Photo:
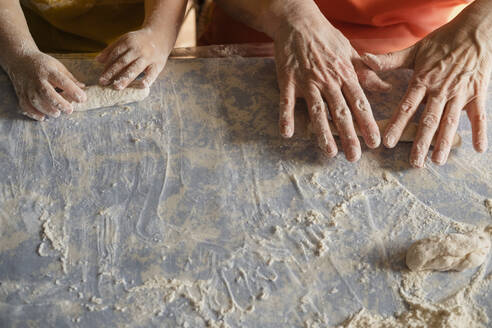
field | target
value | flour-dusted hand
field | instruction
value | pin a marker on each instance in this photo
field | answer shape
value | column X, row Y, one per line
column 452, row 69
column 315, row 61
column 145, row 50
column 136, row 52
column 44, row 86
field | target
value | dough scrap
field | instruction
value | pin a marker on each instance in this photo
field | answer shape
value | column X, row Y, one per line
column 98, row 96
column 455, row 251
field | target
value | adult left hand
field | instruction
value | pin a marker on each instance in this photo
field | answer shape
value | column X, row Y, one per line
column 452, row 68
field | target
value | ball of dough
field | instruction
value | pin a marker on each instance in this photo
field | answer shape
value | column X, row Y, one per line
column 455, row 251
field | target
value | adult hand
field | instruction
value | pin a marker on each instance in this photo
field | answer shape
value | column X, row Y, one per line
column 136, row 52
column 43, row 85
column 452, row 69
column 314, row 60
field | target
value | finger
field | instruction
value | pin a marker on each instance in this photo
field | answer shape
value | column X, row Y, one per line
column 368, row 79
column 151, row 73
column 287, row 104
column 361, row 109
column 102, row 57
column 319, row 121
column 53, row 101
column 129, row 74
column 429, row 122
column 390, row 61
column 73, row 78
column 46, row 100
column 478, row 119
column 28, row 110
column 407, row 107
column 343, row 121
column 447, row 130
column 116, row 66
column 69, row 90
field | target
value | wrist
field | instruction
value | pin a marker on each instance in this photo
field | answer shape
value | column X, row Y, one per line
column 163, row 39
column 13, row 56
column 280, row 13
column 478, row 16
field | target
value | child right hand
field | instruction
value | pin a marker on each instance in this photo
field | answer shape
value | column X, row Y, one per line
column 44, row 86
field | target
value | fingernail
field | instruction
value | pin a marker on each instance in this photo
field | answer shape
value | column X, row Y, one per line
column 118, row 86
column 34, row 116
column 390, row 140
column 353, row 153
column 439, row 157
column 103, row 81
column 481, row 147
column 286, row 131
column 371, row 56
column 331, row 151
column 28, row 115
column 374, row 140
column 81, row 97
column 418, row 161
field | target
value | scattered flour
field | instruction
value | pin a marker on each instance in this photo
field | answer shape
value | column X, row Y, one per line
column 54, row 235
column 488, row 205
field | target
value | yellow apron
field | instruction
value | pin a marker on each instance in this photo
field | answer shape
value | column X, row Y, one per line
column 80, row 25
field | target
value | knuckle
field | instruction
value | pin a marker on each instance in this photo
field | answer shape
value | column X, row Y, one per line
column 361, row 105
column 286, row 102
column 451, row 120
column 341, row 112
column 420, row 146
column 407, row 105
column 481, row 117
column 444, row 143
column 430, row 120
column 317, row 108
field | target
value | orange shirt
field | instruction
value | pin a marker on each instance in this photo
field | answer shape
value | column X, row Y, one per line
column 376, row 26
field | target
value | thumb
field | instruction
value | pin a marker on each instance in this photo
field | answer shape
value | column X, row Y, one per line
column 392, row 60
column 368, row 79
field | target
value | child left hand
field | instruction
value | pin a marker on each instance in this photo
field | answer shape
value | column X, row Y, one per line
column 141, row 51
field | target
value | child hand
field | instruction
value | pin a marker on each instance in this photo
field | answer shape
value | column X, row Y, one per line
column 44, row 86
column 129, row 56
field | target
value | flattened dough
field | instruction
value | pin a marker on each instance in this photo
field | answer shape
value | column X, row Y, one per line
column 455, row 251
column 98, row 97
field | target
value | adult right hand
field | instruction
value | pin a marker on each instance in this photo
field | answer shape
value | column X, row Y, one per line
column 315, row 61
column 43, row 85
